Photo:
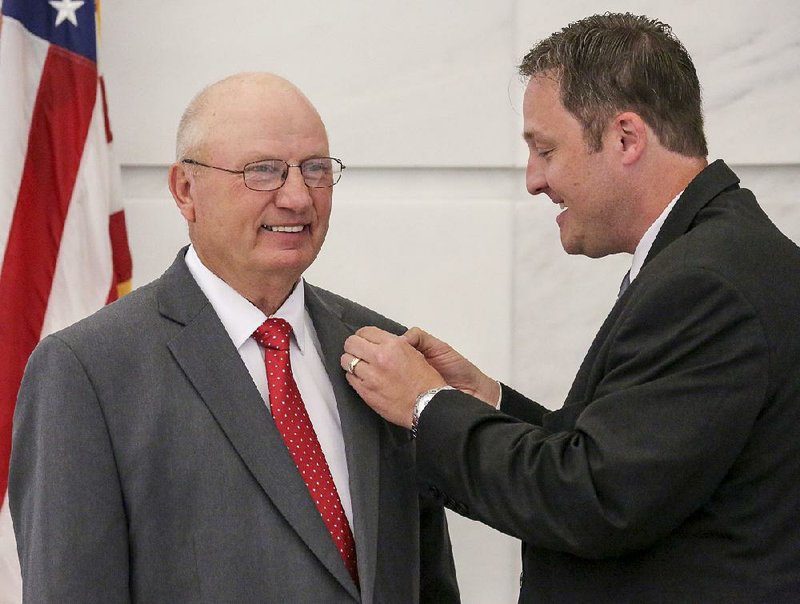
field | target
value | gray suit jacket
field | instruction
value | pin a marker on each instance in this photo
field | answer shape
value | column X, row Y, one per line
column 672, row 472
column 145, row 467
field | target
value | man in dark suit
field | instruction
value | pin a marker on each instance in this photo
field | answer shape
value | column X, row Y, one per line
column 146, row 464
column 672, row 471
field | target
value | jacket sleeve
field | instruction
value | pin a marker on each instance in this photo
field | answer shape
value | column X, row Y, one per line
column 675, row 394
column 438, row 584
column 520, row 407
column 64, row 491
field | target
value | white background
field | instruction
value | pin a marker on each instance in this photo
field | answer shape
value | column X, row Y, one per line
column 431, row 222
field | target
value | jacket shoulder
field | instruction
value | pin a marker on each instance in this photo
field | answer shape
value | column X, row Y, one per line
column 352, row 313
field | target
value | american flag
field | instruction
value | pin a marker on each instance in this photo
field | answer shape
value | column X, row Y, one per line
column 63, row 244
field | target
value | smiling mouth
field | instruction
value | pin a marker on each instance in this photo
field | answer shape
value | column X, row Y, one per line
column 283, row 229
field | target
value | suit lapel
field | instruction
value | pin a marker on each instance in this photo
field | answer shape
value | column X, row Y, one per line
column 207, row 356
column 360, row 430
column 712, row 181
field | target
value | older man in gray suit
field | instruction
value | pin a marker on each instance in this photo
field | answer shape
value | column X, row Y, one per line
column 147, row 465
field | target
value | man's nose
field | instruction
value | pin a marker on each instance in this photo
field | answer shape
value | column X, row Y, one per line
column 535, row 181
column 294, row 193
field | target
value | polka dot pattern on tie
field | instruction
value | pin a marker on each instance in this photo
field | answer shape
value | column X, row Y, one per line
column 291, row 419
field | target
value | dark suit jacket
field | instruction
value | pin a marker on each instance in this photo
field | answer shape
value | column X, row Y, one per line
column 672, row 472
column 145, row 467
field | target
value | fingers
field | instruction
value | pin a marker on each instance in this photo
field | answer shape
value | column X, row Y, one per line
column 372, row 346
column 351, row 364
column 376, row 347
column 367, row 341
column 362, row 347
column 357, row 346
column 363, row 344
column 414, row 336
column 374, row 334
column 423, row 341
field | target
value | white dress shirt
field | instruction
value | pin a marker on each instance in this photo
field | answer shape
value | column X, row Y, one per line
column 646, row 242
column 240, row 319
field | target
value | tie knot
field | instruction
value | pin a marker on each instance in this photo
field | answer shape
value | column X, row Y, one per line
column 274, row 333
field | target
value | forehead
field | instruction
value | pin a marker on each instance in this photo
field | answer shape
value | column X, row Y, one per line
column 252, row 114
column 543, row 112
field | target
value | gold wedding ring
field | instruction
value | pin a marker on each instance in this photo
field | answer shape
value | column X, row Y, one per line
column 351, row 369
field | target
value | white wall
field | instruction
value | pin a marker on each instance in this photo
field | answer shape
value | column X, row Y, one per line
column 431, row 223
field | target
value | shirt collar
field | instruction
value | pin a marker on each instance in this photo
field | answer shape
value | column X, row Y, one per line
column 238, row 315
column 646, row 242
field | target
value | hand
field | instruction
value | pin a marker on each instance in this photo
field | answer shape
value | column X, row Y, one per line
column 390, row 375
column 456, row 370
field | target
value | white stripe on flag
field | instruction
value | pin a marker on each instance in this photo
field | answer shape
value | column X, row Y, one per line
column 23, row 56
column 10, row 579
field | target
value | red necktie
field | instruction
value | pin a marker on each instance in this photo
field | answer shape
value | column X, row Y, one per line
column 292, row 421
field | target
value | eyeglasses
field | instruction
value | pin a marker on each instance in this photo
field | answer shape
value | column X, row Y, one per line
column 271, row 174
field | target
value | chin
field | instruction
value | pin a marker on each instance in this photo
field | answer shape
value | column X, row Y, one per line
column 294, row 261
column 570, row 247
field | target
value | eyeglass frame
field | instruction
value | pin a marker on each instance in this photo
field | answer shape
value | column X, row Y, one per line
column 194, row 162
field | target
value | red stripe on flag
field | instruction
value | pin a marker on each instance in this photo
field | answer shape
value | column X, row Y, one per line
column 61, row 116
column 109, row 135
column 122, row 265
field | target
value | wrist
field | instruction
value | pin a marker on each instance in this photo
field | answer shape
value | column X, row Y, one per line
column 487, row 390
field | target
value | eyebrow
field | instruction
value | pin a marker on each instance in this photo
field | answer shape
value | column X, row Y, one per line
column 537, row 137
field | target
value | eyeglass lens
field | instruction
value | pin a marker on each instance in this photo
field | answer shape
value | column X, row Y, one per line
column 269, row 174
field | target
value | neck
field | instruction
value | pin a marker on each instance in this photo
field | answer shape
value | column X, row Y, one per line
column 660, row 185
column 271, row 300
column 679, row 173
column 266, row 291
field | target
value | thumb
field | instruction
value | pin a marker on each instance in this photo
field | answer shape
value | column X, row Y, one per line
column 415, row 336
column 424, row 342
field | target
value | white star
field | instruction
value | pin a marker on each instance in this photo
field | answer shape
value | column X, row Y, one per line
column 66, row 10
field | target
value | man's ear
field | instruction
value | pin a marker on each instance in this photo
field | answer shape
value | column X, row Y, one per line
column 630, row 136
column 180, row 185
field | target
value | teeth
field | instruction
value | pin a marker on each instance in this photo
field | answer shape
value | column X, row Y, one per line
column 562, row 206
column 283, row 229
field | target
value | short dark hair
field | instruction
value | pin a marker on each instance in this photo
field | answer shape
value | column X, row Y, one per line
column 622, row 62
